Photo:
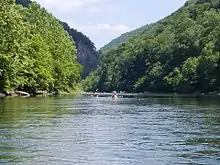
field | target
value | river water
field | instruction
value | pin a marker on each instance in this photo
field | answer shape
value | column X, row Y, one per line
column 103, row 131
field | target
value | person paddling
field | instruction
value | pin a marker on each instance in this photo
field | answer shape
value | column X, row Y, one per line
column 95, row 94
column 114, row 94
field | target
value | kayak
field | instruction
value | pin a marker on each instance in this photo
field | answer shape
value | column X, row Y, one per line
column 114, row 96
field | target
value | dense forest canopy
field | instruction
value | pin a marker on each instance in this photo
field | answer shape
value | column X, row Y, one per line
column 180, row 53
column 86, row 51
column 36, row 53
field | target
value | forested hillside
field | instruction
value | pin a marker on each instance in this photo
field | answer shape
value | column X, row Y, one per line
column 86, row 50
column 36, row 53
column 122, row 39
column 180, row 53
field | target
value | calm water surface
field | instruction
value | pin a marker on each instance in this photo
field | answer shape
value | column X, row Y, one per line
column 103, row 131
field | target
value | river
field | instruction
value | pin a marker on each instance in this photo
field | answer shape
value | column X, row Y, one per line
column 104, row 131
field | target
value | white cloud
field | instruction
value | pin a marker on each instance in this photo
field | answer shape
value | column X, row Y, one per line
column 106, row 27
column 69, row 5
column 79, row 13
column 103, row 33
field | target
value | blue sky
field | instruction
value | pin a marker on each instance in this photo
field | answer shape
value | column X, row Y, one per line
column 104, row 20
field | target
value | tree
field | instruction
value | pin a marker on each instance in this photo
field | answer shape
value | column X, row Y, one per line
column 35, row 51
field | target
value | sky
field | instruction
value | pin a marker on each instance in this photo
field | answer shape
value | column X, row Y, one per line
column 104, row 20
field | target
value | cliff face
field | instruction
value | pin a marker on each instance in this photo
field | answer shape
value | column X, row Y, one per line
column 86, row 51
column 87, row 57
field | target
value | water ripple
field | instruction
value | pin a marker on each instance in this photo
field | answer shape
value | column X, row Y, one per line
column 97, row 131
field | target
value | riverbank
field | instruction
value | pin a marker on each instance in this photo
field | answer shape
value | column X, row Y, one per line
column 25, row 94
column 38, row 93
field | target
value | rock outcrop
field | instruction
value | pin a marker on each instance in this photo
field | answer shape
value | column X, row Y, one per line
column 86, row 51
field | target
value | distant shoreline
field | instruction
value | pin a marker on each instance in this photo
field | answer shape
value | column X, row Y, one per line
column 121, row 95
column 106, row 94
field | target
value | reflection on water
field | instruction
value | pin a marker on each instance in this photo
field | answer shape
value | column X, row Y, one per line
column 99, row 131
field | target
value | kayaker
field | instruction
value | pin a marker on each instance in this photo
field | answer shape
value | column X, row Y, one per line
column 114, row 94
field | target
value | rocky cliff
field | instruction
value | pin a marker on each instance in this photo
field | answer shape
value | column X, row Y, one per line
column 86, row 51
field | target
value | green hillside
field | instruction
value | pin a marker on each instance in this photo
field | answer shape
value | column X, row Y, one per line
column 180, row 53
column 122, row 39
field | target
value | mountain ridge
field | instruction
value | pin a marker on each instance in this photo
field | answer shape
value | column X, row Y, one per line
column 113, row 44
column 179, row 53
